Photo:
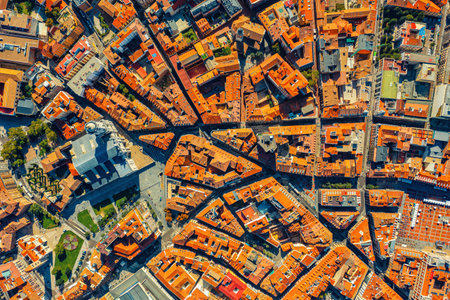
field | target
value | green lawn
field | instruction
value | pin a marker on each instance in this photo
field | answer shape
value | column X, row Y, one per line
column 123, row 197
column 101, row 208
column 106, row 210
column 48, row 223
column 85, row 218
column 189, row 35
column 44, row 217
column 71, row 255
column 222, row 51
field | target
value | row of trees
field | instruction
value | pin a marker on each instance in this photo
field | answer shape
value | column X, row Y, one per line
column 124, row 91
column 41, row 213
column 337, row 185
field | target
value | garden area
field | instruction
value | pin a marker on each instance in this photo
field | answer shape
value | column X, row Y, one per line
column 189, row 35
column 105, row 210
column 85, row 218
column 104, row 28
column 66, row 254
column 46, row 220
column 393, row 17
column 39, row 181
column 222, row 52
column 18, row 140
column 24, row 7
column 312, row 76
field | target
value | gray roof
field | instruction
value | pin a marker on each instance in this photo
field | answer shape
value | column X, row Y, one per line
column 26, row 107
column 436, row 152
column 364, row 42
column 381, row 154
column 232, row 6
column 205, row 7
column 442, row 136
column 330, row 62
column 99, row 155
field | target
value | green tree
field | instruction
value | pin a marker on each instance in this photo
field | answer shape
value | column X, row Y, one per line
column 17, row 134
column 409, row 17
column 37, row 129
column 59, row 281
column 420, row 16
column 60, row 252
column 55, row 13
column 44, row 146
column 19, row 7
column 11, row 150
column 276, row 48
column 49, row 22
column 18, row 162
column 27, row 91
column 68, row 272
column 52, row 137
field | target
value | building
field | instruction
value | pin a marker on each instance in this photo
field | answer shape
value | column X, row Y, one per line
column 385, row 198
column 223, row 107
column 158, row 140
column 247, row 261
column 404, row 267
column 139, row 285
column 45, row 85
column 63, row 35
column 410, row 36
column 274, row 215
column 385, row 230
column 102, row 155
column 377, row 288
column 359, row 236
column 340, row 219
column 441, row 102
column 132, row 115
column 340, row 198
column 10, row 82
column 133, row 234
column 122, row 12
column 242, row 139
column 84, row 5
column 17, row 284
column 13, row 206
column 342, row 148
column 21, row 40
column 190, row 276
column 34, row 251
column 77, row 57
column 340, row 268
column 217, row 215
column 70, row 118
column 184, row 197
column 195, row 159
column 290, row 82
column 426, row 165
column 86, row 76
column 295, row 262
column 432, row 277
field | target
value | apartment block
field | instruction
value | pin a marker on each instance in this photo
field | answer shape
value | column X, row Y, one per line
column 195, row 159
